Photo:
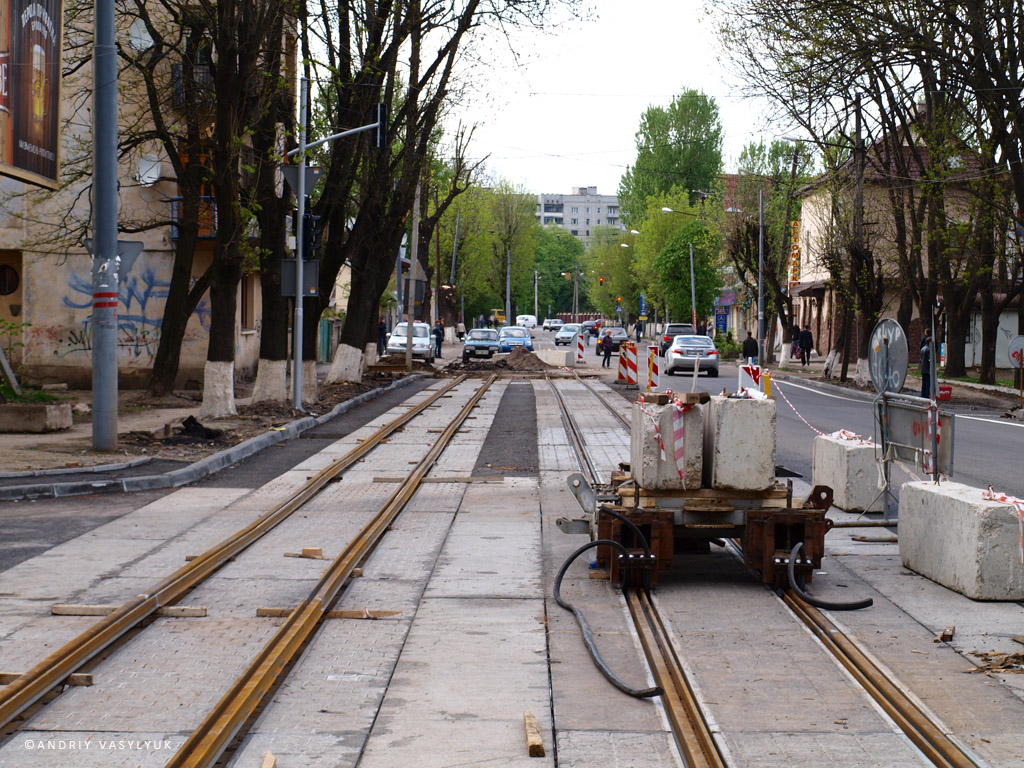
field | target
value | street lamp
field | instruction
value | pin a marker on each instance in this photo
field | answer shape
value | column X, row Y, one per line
column 693, row 286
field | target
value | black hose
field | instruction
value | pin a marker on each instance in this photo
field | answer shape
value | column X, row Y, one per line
column 630, row 524
column 588, row 639
column 797, row 587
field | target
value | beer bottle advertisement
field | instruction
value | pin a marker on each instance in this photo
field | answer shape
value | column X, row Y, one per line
column 5, row 82
column 34, row 87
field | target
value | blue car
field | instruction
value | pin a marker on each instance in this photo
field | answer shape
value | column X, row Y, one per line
column 481, row 342
column 513, row 336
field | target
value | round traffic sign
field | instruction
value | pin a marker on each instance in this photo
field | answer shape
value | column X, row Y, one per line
column 1016, row 351
column 888, row 356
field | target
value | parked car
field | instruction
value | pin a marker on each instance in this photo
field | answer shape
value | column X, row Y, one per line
column 619, row 335
column 552, row 324
column 593, row 327
column 514, row 336
column 566, row 332
column 671, row 331
column 687, row 351
column 481, row 342
column 422, row 341
column 526, row 321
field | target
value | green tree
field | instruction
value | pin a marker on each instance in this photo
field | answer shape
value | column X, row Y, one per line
column 678, row 147
column 673, row 267
column 558, row 253
column 611, row 275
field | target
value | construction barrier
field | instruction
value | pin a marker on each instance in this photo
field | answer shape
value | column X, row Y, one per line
column 579, row 349
column 627, row 363
column 653, row 368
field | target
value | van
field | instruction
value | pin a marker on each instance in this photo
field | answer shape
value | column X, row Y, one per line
column 526, row 321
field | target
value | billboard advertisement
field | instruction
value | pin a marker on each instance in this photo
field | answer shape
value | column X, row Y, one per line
column 30, row 56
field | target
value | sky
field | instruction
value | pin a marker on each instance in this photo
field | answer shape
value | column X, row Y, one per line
column 565, row 114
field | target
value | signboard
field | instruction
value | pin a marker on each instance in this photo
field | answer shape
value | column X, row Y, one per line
column 1016, row 351
column 908, row 428
column 30, row 67
column 721, row 319
column 643, row 307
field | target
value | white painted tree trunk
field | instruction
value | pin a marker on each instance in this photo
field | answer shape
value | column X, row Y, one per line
column 347, row 365
column 862, row 377
column 369, row 355
column 830, row 363
column 218, row 391
column 309, row 391
column 271, row 381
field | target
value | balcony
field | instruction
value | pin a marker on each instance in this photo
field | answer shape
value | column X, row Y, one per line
column 207, row 216
column 202, row 81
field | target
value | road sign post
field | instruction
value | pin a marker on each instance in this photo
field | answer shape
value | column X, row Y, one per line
column 1016, row 353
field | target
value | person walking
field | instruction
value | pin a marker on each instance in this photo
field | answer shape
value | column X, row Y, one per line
column 460, row 330
column 606, row 346
column 806, row 345
column 749, row 348
column 382, row 336
column 638, row 329
column 438, row 337
column 926, row 365
column 794, row 350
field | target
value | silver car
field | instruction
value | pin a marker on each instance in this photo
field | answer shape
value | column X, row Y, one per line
column 422, row 341
column 685, row 352
column 566, row 332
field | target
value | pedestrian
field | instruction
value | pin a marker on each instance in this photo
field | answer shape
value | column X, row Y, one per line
column 638, row 329
column 606, row 346
column 382, row 336
column 749, row 348
column 460, row 330
column 438, row 337
column 926, row 365
column 794, row 351
column 806, row 345
column 490, row 321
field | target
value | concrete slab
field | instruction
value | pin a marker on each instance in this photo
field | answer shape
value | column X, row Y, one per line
column 59, row 749
column 848, row 468
column 739, row 444
column 952, row 535
column 656, row 430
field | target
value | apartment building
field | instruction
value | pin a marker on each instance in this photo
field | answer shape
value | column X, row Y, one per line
column 580, row 212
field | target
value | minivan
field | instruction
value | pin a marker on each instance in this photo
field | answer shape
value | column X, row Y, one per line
column 526, row 321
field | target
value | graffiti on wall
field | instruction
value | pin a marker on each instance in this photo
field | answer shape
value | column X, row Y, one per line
column 142, row 294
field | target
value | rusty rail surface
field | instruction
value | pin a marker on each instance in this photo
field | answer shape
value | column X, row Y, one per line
column 206, row 744
column 48, row 673
column 919, row 727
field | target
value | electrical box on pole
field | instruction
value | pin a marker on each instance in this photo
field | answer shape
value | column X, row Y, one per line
column 380, row 134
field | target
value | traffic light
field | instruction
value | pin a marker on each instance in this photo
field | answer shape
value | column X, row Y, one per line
column 618, row 299
column 600, row 280
column 311, row 233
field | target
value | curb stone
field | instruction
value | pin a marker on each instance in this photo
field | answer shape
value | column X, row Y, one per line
column 200, row 469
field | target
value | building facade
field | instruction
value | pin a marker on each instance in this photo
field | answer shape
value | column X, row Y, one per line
column 580, row 212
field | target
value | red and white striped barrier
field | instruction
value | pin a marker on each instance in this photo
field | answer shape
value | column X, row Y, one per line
column 653, row 368
column 627, row 363
column 579, row 349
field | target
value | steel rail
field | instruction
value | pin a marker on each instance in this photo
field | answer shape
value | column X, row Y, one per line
column 205, row 746
column 622, row 419
column 27, row 689
column 572, row 429
column 684, row 712
column 918, row 726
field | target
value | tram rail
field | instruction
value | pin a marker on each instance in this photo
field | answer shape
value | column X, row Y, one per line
column 45, row 676
column 683, row 709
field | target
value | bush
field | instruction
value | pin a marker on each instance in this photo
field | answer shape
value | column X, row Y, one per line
column 728, row 347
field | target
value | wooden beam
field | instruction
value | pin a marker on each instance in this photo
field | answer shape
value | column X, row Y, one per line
column 534, row 743
column 75, row 678
column 269, row 761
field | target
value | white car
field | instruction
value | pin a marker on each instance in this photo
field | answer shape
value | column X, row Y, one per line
column 422, row 341
column 566, row 333
column 552, row 324
column 526, row 321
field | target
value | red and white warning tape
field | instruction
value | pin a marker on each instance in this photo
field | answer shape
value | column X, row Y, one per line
column 1017, row 504
column 805, row 421
column 678, row 436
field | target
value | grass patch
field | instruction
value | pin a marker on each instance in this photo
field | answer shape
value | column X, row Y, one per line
column 976, row 380
column 27, row 395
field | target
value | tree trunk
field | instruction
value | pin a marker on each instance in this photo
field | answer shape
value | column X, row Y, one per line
column 989, row 331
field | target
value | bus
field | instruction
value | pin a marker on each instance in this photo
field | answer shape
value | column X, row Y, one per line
column 499, row 316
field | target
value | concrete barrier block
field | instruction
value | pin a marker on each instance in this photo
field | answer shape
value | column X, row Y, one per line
column 739, row 444
column 556, row 357
column 951, row 535
column 34, row 417
column 849, row 469
column 649, row 469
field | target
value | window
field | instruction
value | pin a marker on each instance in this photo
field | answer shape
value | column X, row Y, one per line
column 574, row 221
column 588, row 209
column 598, row 222
column 8, row 280
column 598, row 209
column 576, row 232
column 588, row 222
column 248, row 302
column 575, row 210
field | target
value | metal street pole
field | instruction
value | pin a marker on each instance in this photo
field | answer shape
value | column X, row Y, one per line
column 508, row 286
column 105, row 259
column 414, row 262
column 693, row 286
column 535, row 278
column 300, row 193
column 760, row 288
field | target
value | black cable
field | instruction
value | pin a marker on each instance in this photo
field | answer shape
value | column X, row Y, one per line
column 588, row 639
column 630, row 524
column 796, row 586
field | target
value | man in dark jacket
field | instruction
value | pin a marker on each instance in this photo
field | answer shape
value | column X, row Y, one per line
column 438, row 336
column 606, row 346
column 749, row 348
column 806, row 345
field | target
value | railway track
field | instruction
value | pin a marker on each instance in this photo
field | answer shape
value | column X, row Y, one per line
column 42, row 679
column 693, row 734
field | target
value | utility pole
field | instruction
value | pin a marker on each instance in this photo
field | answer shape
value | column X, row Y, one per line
column 508, row 286
column 858, row 228
column 410, row 301
column 693, row 288
column 760, row 277
column 535, row 279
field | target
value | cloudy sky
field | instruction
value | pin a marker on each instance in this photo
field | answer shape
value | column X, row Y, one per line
column 565, row 113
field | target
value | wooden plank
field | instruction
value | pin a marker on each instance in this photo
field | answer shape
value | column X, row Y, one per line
column 308, row 553
column 75, row 678
column 534, row 743
column 269, row 761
